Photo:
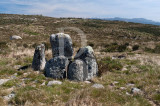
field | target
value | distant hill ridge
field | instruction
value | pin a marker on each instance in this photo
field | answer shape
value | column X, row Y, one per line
column 135, row 20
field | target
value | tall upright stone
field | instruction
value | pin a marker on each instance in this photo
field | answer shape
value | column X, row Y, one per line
column 56, row 68
column 86, row 54
column 39, row 58
column 77, row 71
column 61, row 45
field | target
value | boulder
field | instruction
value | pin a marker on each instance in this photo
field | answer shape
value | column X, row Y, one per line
column 39, row 58
column 15, row 37
column 56, row 68
column 77, row 71
column 86, row 54
column 61, row 45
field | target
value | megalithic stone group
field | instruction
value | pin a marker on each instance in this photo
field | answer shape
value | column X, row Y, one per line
column 83, row 67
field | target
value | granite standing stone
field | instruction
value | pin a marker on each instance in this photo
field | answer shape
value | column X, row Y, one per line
column 56, row 68
column 61, row 45
column 39, row 58
column 87, row 55
column 77, row 71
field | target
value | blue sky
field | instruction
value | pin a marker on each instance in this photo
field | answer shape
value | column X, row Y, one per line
column 149, row 9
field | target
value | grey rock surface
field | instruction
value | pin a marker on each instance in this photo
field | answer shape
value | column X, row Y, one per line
column 61, row 45
column 2, row 81
column 50, row 83
column 10, row 96
column 56, row 68
column 136, row 91
column 98, row 86
column 86, row 54
column 77, row 71
column 15, row 37
column 39, row 58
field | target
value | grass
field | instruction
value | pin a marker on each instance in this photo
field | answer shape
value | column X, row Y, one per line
column 31, row 32
column 108, row 64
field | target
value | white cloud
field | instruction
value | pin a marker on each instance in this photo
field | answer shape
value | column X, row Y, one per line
column 89, row 8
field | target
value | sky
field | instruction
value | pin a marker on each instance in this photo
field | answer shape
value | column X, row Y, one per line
column 149, row 9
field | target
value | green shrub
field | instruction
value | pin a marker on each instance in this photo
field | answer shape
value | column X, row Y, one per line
column 47, row 45
column 25, row 45
column 114, row 47
column 3, row 45
column 108, row 64
column 135, row 47
column 157, row 49
column 122, row 48
column 91, row 44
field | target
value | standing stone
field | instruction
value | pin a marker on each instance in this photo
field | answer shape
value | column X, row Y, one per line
column 39, row 58
column 61, row 45
column 56, row 68
column 87, row 55
column 77, row 71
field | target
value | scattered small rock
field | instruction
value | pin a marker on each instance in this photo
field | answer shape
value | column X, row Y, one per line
column 130, row 85
column 15, row 37
column 87, row 82
column 122, row 88
column 17, row 67
column 10, row 96
column 115, row 82
column 98, row 86
column 2, row 81
column 44, row 83
column 128, row 93
column 124, row 69
column 26, row 74
column 136, row 91
column 50, row 83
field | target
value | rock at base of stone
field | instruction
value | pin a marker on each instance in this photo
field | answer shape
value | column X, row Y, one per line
column 77, row 71
column 87, row 55
column 61, row 45
column 56, row 68
column 39, row 58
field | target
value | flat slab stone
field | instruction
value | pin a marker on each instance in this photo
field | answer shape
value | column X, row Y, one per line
column 50, row 83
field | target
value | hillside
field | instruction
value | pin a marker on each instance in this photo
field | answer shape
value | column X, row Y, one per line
column 135, row 20
column 127, row 55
